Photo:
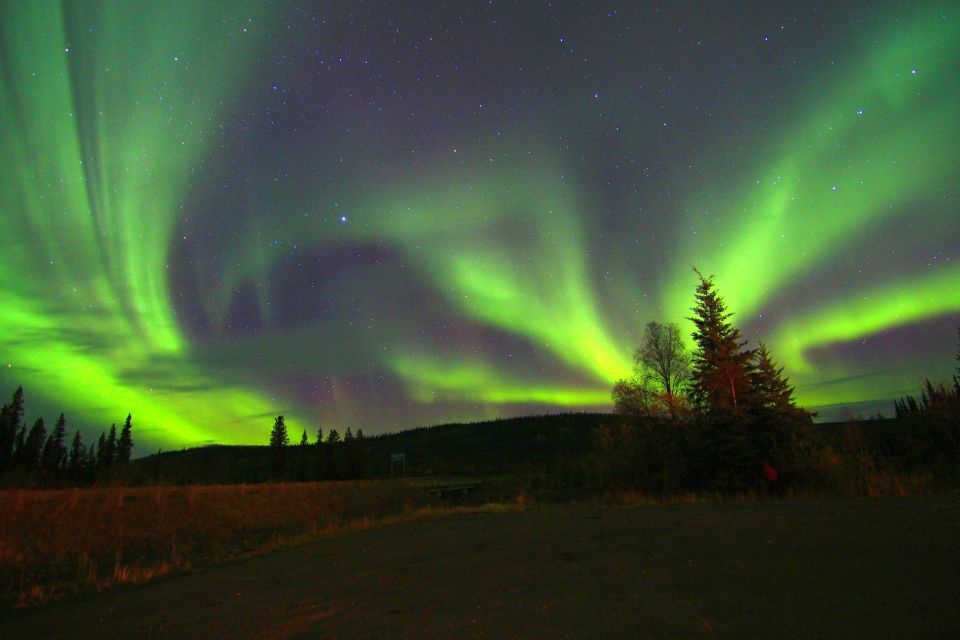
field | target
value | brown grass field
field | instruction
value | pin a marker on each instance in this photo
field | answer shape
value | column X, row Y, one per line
column 56, row 542
column 801, row 568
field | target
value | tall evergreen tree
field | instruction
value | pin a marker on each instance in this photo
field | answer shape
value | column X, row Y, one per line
column 33, row 446
column 331, row 456
column 54, row 451
column 777, row 426
column 76, row 459
column 101, row 457
column 10, row 418
column 771, row 390
column 721, row 365
column 110, row 446
column 90, row 462
column 278, row 436
column 125, row 443
column 19, row 446
column 304, row 458
column 354, row 446
column 278, row 445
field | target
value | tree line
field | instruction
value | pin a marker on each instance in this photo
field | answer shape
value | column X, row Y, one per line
column 326, row 458
column 33, row 457
column 722, row 416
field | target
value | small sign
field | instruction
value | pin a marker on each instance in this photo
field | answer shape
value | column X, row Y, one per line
column 398, row 459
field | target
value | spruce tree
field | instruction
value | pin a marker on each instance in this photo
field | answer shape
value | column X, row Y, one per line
column 33, row 445
column 90, row 463
column 304, row 458
column 110, row 447
column 278, row 436
column 19, row 446
column 331, row 452
column 771, row 390
column 125, row 443
column 319, row 457
column 101, row 457
column 278, row 444
column 75, row 459
column 54, row 451
column 721, row 365
column 10, row 418
column 777, row 422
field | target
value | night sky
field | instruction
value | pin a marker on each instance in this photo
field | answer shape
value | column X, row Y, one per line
column 379, row 215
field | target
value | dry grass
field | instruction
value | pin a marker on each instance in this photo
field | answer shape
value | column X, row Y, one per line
column 57, row 542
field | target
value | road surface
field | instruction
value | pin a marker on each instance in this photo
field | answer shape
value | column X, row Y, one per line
column 883, row 568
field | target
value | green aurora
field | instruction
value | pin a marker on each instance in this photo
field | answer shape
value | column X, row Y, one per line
column 487, row 294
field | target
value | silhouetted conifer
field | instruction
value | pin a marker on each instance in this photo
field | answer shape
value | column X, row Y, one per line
column 330, row 456
column 125, row 443
column 90, row 460
column 76, row 459
column 304, row 457
column 721, row 365
column 33, row 446
column 10, row 417
column 19, row 445
column 278, row 445
column 779, row 428
column 110, row 446
column 771, row 389
column 278, row 436
column 54, row 451
column 349, row 454
column 101, row 458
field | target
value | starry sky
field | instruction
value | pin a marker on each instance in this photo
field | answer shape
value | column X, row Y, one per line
column 381, row 215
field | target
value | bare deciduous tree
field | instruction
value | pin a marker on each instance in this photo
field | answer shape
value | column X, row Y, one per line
column 661, row 372
column 662, row 361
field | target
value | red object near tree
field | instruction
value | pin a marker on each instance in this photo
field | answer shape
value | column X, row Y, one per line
column 770, row 472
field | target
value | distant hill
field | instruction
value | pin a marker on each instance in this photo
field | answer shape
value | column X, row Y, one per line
column 491, row 447
column 534, row 444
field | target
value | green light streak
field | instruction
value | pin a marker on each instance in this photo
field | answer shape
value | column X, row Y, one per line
column 431, row 381
column 537, row 286
column 102, row 124
column 892, row 305
column 836, row 171
column 108, row 109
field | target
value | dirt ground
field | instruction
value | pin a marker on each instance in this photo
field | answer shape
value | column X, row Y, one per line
column 882, row 568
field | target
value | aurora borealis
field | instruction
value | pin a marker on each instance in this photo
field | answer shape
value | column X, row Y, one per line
column 380, row 216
